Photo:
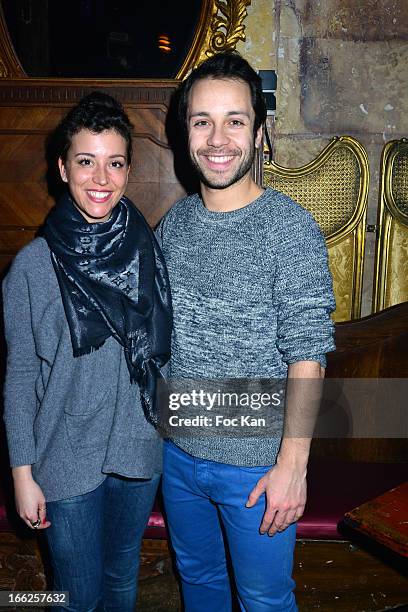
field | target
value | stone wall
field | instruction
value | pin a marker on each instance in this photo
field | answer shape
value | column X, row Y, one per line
column 342, row 69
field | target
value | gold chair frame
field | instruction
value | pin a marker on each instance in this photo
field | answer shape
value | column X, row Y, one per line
column 354, row 228
column 391, row 256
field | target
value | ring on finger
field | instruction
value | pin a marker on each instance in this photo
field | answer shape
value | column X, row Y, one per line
column 35, row 524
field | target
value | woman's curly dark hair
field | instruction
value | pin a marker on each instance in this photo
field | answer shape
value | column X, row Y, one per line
column 96, row 112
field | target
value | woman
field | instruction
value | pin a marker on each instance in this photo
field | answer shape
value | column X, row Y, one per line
column 88, row 324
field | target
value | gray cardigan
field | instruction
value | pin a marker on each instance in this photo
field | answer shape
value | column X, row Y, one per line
column 73, row 419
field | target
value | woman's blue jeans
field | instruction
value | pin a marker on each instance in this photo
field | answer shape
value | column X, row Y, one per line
column 201, row 495
column 94, row 542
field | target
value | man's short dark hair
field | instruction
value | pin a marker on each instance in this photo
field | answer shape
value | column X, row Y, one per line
column 225, row 65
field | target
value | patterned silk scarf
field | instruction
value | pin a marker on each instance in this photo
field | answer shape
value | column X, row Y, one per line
column 114, row 282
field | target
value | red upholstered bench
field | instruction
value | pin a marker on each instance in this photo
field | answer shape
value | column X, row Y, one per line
column 4, row 525
column 334, row 487
column 156, row 527
column 8, row 516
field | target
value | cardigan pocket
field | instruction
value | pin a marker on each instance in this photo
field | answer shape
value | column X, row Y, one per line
column 89, row 429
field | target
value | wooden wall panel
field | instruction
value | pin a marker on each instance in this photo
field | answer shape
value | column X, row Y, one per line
column 11, row 241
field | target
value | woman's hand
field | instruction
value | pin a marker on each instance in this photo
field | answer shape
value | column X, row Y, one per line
column 30, row 500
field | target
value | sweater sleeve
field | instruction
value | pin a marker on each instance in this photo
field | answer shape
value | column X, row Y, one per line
column 303, row 293
column 23, row 368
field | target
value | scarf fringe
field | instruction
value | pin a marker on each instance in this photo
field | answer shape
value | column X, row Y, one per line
column 87, row 350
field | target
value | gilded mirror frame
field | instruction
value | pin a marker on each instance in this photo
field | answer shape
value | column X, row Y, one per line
column 220, row 27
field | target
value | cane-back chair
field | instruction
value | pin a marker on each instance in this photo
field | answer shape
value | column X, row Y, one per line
column 334, row 187
column 391, row 261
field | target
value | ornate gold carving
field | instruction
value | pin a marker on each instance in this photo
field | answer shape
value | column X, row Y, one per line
column 341, row 262
column 396, row 290
column 226, row 26
column 220, row 28
column 334, row 188
column 391, row 259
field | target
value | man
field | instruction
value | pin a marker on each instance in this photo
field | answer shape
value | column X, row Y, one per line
column 252, row 297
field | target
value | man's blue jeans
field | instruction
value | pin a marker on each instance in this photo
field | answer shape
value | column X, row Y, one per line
column 199, row 495
column 95, row 540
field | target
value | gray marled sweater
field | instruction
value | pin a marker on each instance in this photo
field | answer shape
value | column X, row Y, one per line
column 73, row 419
column 252, row 293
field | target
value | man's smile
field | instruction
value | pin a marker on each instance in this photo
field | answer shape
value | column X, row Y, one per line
column 218, row 161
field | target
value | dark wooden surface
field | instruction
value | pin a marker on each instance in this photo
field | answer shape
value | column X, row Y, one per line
column 372, row 347
column 384, row 519
column 330, row 577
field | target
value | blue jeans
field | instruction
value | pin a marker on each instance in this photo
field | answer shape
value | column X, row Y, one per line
column 199, row 495
column 94, row 542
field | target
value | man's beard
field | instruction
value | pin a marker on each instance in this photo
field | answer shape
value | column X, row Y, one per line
column 215, row 181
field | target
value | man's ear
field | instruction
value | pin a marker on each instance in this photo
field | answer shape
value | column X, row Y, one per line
column 258, row 137
column 62, row 170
